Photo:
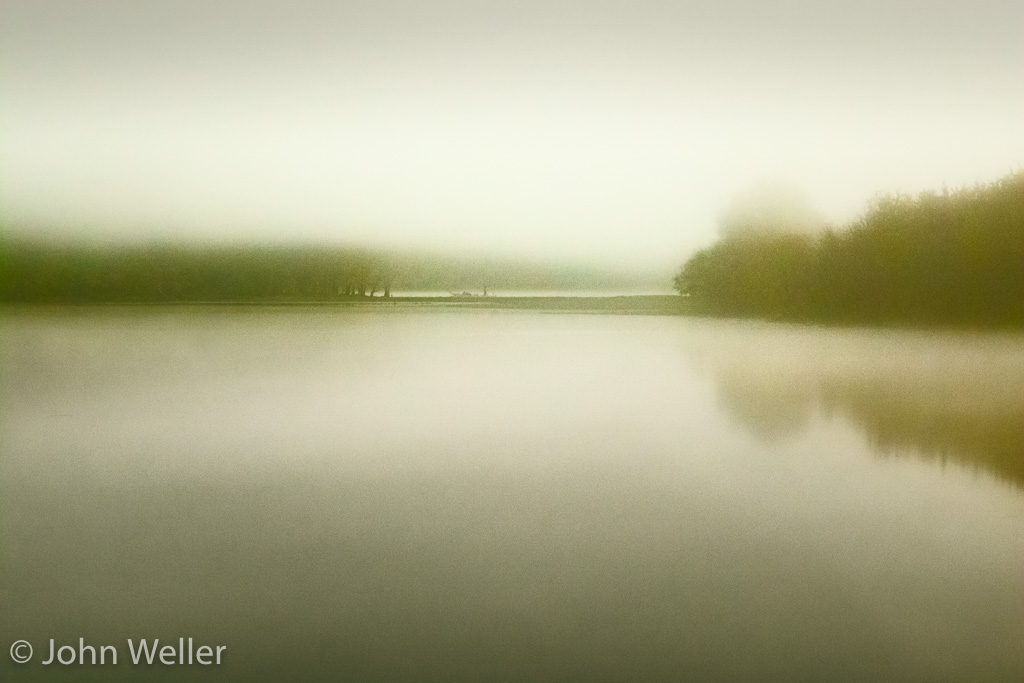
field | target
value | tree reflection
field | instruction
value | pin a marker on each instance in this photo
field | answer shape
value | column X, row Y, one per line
column 941, row 397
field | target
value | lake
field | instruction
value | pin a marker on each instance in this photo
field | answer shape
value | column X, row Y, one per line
column 473, row 495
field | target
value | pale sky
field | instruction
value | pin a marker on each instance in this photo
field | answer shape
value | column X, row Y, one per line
column 600, row 130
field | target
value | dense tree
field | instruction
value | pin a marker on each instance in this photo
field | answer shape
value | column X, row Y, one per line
column 955, row 257
column 32, row 271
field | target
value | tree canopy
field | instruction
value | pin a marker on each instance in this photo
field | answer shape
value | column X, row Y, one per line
column 950, row 257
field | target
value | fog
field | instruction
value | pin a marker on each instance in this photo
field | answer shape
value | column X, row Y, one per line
column 769, row 208
column 601, row 130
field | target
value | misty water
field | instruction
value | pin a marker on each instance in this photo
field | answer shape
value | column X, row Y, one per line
column 411, row 494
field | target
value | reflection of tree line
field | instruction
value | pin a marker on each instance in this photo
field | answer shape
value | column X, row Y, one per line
column 950, row 258
column 33, row 271
column 989, row 437
column 961, row 404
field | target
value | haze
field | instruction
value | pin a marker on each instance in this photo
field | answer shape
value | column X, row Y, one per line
column 597, row 130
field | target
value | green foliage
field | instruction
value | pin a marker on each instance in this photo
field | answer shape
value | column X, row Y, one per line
column 32, row 271
column 950, row 258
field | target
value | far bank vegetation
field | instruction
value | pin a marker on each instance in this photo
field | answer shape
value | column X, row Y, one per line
column 954, row 257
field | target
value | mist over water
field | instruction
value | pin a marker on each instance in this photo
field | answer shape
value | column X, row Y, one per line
column 505, row 495
column 224, row 415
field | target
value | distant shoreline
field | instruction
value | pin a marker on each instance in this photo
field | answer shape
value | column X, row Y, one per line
column 640, row 304
column 625, row 304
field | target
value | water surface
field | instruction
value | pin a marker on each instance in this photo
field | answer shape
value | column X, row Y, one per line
column 504, row 495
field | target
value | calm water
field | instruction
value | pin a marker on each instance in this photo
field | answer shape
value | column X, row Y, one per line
column 497, row 495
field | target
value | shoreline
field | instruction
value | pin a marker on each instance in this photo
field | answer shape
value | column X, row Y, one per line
column 625, row 304
column 645, row 304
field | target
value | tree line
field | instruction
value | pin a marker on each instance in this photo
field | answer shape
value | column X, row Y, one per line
column 950, row 257
column 38, row 271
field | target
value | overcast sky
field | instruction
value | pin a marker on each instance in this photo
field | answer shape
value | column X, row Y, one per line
column 596, row 129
